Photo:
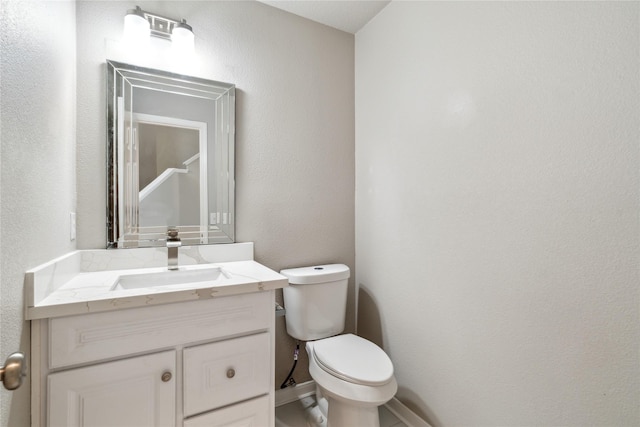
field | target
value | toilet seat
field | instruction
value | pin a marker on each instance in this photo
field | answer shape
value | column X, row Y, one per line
column 353, row 359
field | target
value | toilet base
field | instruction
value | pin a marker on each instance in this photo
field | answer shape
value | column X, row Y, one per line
column 329, row 412
column 342, row 414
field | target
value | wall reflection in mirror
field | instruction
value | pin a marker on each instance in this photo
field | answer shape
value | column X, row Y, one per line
column 170, row 157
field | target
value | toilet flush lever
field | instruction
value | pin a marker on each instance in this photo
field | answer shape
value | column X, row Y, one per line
column 13, row 371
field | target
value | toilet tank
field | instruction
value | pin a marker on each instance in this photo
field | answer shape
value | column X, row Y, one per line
column 316, row 301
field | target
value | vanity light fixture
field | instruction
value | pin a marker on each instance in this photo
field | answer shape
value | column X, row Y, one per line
column 139, row 25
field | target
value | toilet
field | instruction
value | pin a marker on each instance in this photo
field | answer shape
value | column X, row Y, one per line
column 354, row 375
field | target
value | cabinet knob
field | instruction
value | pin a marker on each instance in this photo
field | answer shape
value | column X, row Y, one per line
column 231, row 373
column 166, row 377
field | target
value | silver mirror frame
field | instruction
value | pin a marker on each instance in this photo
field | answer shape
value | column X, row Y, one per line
column 124, row 232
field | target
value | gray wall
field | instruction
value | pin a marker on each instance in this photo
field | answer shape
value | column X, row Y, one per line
column 497, row 208
column 294, row 129
column 37, row 162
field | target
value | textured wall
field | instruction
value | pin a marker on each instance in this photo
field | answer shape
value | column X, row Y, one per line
column 294, row 129
column 497, row 176
column 37, row 162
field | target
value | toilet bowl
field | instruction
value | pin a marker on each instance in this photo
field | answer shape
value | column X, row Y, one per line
column 353, row 374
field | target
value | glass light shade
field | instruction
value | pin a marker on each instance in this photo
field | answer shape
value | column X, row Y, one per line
column 183, row 38
column 136, row 28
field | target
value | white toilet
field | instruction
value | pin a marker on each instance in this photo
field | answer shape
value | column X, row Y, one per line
column 353, row 374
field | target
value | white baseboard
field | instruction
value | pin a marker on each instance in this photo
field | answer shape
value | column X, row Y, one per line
column 405, row 414
column 293, row 393
column 300, row 391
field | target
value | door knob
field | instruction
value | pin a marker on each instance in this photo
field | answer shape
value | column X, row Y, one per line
column 13, row 371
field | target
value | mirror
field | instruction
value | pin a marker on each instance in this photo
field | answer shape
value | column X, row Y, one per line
column 170, row 154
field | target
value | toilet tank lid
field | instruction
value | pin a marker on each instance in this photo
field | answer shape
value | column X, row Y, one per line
column 316, row 274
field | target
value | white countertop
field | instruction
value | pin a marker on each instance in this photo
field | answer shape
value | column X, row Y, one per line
column 63, row 287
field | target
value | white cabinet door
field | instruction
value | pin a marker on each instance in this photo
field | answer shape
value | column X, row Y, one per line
column 130, row 392
column 254, row 413
column 226, row 372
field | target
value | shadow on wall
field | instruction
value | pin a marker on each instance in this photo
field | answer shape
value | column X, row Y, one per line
column 369, row 323
column 370, row 327
column 417, row 406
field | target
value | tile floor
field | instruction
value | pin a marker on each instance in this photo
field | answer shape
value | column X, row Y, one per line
column 295, row 414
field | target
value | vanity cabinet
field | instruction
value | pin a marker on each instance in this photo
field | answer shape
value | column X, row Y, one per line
column 202, row 363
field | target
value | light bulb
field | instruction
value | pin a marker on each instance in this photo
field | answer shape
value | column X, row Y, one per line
column 137, row 29
column 182, row 37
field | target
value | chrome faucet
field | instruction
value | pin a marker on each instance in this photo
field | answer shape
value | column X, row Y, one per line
column 173, row 243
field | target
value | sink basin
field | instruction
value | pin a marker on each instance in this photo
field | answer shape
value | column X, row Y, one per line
column 168, row 277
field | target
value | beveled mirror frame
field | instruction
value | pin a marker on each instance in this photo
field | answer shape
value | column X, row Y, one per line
column 124, row 84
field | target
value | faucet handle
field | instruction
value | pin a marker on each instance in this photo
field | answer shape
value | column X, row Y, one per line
column 172, row 234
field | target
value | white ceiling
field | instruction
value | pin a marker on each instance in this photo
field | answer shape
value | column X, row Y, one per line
column 345, row 15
